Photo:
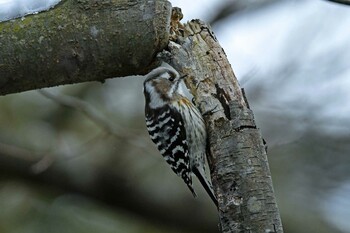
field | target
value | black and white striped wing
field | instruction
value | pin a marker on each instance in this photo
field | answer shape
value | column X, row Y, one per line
column 166, row 129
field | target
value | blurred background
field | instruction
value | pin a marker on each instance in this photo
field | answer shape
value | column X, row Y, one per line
column 78, row 158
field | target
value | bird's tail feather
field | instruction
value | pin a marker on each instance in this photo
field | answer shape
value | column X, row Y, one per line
column 192, row 190
column 206, row 184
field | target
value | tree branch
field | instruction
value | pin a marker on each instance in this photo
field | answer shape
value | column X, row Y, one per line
column 109, row 187
column 344, row 2
column 92, row 113
column 81, row 41
column 230, row 8
column 238, row 161
column 119, row 132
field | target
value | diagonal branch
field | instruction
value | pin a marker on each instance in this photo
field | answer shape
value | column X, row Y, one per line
column 239, row 168
column 344, row 2
column 95, row 116
column 112, row 188
column 87, row 110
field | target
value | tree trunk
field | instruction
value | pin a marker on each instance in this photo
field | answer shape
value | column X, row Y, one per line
column 81, row 41
column 237, row 155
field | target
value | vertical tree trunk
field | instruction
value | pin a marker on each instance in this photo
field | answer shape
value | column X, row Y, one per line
column 237, row 155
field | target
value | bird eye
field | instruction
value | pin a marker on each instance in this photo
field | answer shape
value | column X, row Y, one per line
column 172, row 78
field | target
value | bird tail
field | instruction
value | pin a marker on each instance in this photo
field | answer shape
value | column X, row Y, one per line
column 206, row 184
column 192, row 190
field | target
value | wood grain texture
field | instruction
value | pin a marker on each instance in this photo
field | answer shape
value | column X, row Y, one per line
column 238, row 161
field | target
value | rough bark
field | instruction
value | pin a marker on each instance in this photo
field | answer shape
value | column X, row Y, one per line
column 81, row 40
column 238, row 161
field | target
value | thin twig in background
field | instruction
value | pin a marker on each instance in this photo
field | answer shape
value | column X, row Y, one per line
column 88, row 111
column 344, row 2
column 110, row 187
column 93, row 114
column 132, row 137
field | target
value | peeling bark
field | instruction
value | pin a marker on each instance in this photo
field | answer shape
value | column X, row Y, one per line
column 81, row 41
column 237, row 156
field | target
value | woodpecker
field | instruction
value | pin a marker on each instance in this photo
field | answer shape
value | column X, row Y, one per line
column 176, row 126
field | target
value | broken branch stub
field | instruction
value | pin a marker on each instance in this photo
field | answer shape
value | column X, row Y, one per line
column 237, row 156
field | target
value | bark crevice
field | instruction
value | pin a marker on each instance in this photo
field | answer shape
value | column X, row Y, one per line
column 238, row 161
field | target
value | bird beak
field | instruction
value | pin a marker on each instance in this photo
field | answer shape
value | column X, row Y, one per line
column 182, row 77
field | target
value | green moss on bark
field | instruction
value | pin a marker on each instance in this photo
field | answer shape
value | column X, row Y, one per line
column 81, row 41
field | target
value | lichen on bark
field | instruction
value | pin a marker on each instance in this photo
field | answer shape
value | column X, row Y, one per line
column 237, row 156
column 80, row 41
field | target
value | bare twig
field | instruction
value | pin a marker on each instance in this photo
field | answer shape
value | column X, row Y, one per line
column 121, row 133
column 229, row 8
column 112, row 188
column 344, row 2
column 132, row 137
column 88, row 111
